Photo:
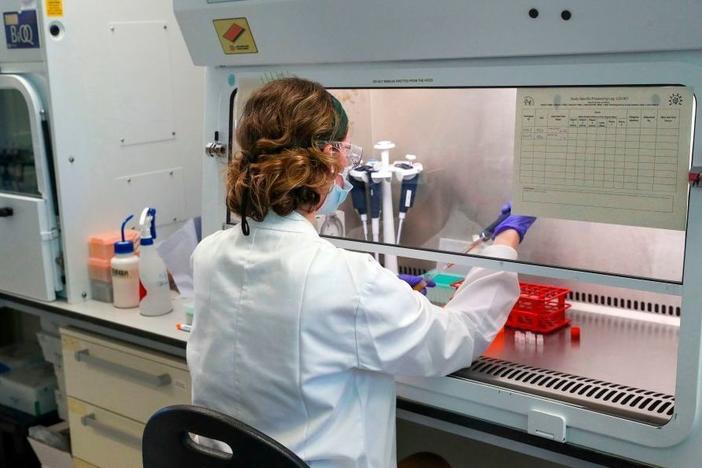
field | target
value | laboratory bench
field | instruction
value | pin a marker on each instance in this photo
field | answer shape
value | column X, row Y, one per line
column 112, row 353
column 157, row 333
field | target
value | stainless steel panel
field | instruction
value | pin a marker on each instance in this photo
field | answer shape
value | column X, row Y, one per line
column 625, row 351
column 620, row 366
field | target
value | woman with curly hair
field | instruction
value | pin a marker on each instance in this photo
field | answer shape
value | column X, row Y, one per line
column 301, row 339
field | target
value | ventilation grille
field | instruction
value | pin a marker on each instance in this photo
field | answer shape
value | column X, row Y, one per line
column 620, row 302
column 625, row 303
column 408, row 270
column 619, row 400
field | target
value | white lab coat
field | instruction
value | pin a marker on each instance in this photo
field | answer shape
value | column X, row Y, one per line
column 301, row 339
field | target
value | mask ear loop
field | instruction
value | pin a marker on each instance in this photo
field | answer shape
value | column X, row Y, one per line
column 245, row 229
column 244, row 206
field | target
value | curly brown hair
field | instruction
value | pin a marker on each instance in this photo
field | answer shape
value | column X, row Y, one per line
column 280, row 164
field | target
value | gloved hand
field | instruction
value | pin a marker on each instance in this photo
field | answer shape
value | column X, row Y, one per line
column 413, row 281
column 521, row 224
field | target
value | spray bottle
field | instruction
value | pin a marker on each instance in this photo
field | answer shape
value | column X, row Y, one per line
column 154, row 291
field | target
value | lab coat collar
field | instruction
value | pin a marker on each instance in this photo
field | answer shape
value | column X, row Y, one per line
column 294, row 222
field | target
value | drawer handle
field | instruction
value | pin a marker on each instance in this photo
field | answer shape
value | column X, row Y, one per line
column 89, row 420
column 156, row 380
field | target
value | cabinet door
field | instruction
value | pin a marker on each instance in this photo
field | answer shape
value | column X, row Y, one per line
column 27, row 218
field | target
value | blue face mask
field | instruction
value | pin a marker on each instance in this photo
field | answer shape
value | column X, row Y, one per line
column 336, row 197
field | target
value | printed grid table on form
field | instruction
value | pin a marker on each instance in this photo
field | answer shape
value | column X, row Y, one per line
column 617, row 155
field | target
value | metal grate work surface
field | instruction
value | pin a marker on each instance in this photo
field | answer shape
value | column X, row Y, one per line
column 606, row 397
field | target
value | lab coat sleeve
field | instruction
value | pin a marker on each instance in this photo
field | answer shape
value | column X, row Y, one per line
column 398, row 331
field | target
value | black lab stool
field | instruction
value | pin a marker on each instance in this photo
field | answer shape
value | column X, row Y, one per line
column 167, row 443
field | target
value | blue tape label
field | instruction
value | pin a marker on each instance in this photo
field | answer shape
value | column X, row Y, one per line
column 21, row 30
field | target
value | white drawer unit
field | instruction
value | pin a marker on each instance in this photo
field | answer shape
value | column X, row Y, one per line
column 103, row 438
column 113, row 389
column 122, row 378
column 78, row 463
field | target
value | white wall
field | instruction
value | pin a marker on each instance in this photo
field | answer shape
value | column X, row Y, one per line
column 127, row 112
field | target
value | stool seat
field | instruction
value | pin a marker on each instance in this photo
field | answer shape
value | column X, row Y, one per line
column 167, row 444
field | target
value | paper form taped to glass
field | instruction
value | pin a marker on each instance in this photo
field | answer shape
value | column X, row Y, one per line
column 617, row 155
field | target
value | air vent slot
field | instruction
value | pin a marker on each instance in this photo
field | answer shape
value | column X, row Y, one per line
column 592, row 298
column 409, row 270
column 606, row 397
column 625, row 303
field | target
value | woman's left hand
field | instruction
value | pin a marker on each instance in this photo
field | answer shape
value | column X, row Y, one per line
column 415, row 282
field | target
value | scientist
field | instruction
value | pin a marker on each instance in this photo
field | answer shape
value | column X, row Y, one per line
column 301, row 339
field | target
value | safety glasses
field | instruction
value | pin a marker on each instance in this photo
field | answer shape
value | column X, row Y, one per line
column 353, row 154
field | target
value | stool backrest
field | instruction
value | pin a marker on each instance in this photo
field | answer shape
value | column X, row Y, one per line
column 167, row 443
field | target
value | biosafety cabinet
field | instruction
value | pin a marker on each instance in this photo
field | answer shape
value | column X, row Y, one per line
column 583, row 114
column 100, row 115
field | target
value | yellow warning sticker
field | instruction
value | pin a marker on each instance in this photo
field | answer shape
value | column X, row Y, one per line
column 54, row 7
column 235, row 36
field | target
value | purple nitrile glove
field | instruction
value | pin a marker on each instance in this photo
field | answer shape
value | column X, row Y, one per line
column 521, row 224
column 413, row 281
